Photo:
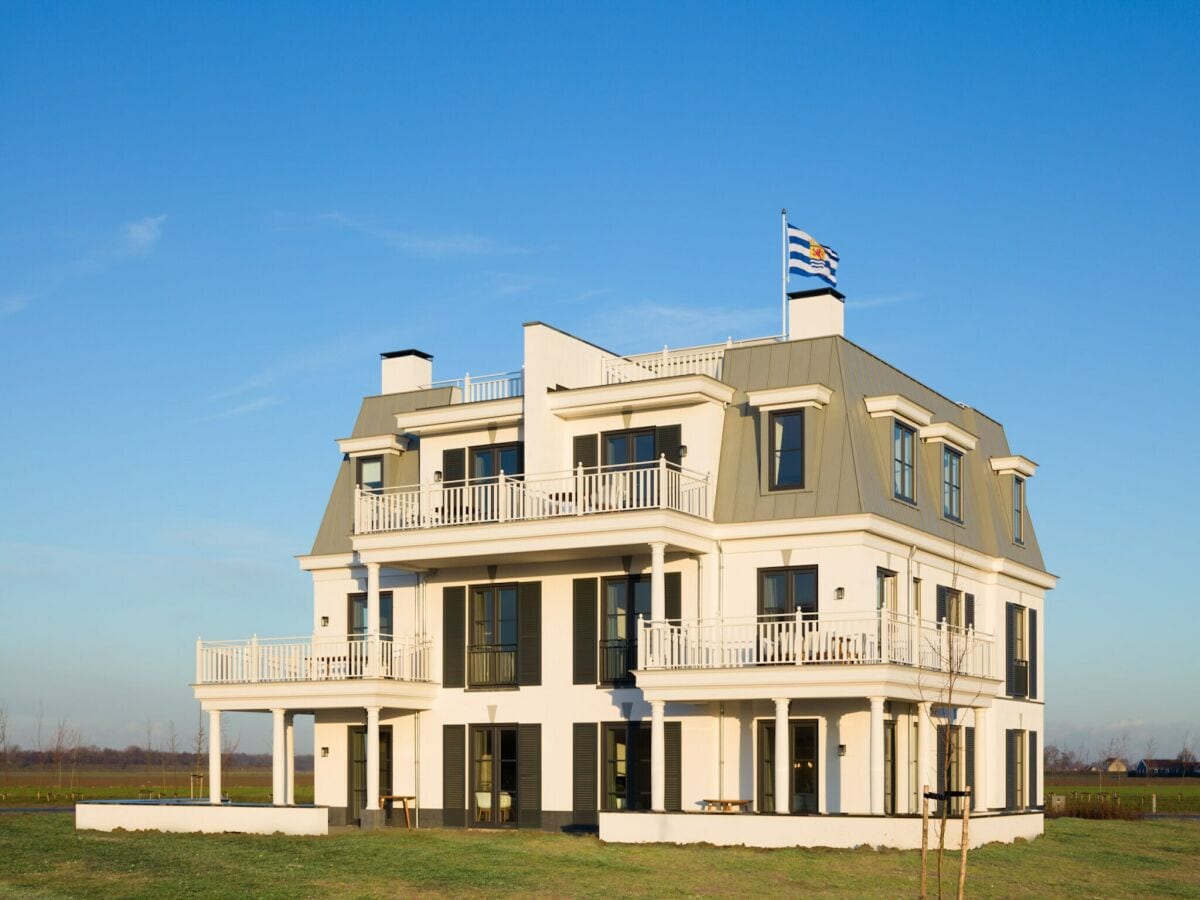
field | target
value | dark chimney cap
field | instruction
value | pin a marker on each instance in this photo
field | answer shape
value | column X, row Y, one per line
column 410, row 352
column 817, row 292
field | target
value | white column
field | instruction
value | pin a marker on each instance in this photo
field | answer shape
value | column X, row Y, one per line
column 372, row 757
column 658, row 758
column 289, row 731
column 658, row 590
column 783, row 759
column 214, row 755
column 278, row 758
column 877, row 756
column 926, row 773
column 979, row 790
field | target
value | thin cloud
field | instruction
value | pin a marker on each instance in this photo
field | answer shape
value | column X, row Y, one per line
column 242, row 409
column 680, row 326
column 11, row 304
column 455, row 245
column 140, row 237
column 883, row 300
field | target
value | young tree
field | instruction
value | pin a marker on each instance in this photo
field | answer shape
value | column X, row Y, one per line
column 4, row 745
column 172, row 750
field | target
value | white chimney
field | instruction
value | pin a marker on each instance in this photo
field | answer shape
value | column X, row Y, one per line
column 814, row 314
column 405, row 370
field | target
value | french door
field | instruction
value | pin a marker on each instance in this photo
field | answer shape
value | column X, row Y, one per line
column 803, row 784
column 494, row 776
column 358, row 767
column 624, row 600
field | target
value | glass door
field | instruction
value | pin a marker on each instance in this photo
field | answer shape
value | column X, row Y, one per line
column 625, row 599
column 358, row 767
column 494, row 775
column 889, row 767
column 802, row 747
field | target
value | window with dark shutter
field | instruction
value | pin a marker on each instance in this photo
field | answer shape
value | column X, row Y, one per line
column 529, row 776
column 454, row 466
column 529, row 625
column 1010, row 649
column 1033, row 800
column 586, row 453
column 673, row 595
column 454, row 775
column 940, row 760
column 941, row 604
column 585, row 766
column 454, row 614
column 968, row 611
column 969, row 757
column 667, row 441
column 585, row 594
column 1031, row 617
column 1010, row 768
column 673, row 766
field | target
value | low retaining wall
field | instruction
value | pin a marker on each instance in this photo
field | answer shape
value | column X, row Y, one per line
column 202, row 817
column 809, row 831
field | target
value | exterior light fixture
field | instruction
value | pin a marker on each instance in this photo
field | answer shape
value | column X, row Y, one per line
column 324, row 751
column 437, row 476
column 841, row 749
column 324, row 621
column 840, row 593
column 683, row 451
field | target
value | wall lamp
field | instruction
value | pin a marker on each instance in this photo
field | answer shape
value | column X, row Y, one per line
column 840, row 593
column 437, row 476
column 841, row 749
column 324, row 751
column 683, row 451
column 324, row 621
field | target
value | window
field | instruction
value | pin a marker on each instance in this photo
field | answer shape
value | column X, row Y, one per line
column 885, row 591
column 1015, row 768
column 904, row 440
column 631, row 449
column 951, row 484
column 1020, row 635
column 358, row 616
column 488, row 462
column 624, row 600
column 370, row 473
column 787, row 449
column 627, row 766
column 784, row 592
column 494, row 775
column 493, row 647
column 1018, row 499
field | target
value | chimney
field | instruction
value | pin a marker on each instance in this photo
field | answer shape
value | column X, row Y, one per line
column 814, row 314
column 405, row 370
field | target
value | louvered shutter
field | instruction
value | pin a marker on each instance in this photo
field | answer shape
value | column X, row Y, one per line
column 1010, row 649
column 1034, row 800
column 941, row 605
column 673, row 766
column 454, row 626
column 584, row 627
column 529, row 633
column 969, row 758
column 454, row 466
column 1032, row 618
column 586, row 451
column 454, row 775
column 673, row 595
column 940, row 762
column 585, row 766
column 529, row 776
column 667, row 441
column 1010, row 769
column 968, row 610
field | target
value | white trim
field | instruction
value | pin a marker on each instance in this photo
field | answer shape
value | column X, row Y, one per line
column 317, row 562
column 898, row 406
column 769, row 399
column 461, row 417
column 1014, row 465
column 948, row 433
column 371, row 444
column 656, row 393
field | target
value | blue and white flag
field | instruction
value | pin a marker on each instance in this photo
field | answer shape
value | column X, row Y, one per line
column 806, row 256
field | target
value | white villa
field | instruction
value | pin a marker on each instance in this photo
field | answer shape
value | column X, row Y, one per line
column 775, row 576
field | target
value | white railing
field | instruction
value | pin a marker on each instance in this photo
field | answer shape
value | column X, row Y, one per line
column 499, row 386
column 707, row 359
column 813, row 639
column 313, row 659
column 578, row 492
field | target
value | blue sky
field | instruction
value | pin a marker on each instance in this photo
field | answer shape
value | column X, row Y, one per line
column 213, row 217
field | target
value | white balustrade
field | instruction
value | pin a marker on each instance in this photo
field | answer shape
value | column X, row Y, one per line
column 692, row 361
column 475, row 388
column 577, row 492
column 312, row 659
column 813, row 639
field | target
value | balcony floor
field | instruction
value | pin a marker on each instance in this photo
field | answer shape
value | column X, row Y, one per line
column 356, row 693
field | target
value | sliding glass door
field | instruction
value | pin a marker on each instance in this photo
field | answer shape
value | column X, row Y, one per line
column 494, row 775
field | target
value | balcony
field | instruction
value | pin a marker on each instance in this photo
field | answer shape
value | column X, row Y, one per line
column 707, row 359
column 499, row 386
column 290, row 660
column 579, row 492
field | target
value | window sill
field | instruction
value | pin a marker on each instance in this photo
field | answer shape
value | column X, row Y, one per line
column 953, row 521
column 483, row 689
column 787, row 490
column 910, row 504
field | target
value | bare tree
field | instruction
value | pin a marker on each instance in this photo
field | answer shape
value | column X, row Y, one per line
column 1187, row 753
column 40, row 748
column 60, row 746
column 229, row 746
column 149, row 751
column 1151, row 748
column 172, row 748
column 74, row 746
column 4, row 745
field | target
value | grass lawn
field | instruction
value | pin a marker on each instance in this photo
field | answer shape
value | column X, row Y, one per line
column 36, row 787
column 1174, row 794
column 41, row 855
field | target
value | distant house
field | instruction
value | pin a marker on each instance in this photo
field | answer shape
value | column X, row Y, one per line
column 1115, row 764
column 1164, row 768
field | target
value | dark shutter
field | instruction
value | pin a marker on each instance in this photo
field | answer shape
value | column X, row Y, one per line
column 454, row 628
column 454, row 466
column 586, row 451
column 585, row 757
column 673, row 766
column 529, row 776
column 940, row 760
column 1010, row 649
column 673, row 594
column 941, row 604
column 1031, row 617
column 667, row 440
column 454, row 775
column 968, row 611
column 1010, row 769
column 584, row 628
column 1034, row 800
column 969, row 759
column 529, row 633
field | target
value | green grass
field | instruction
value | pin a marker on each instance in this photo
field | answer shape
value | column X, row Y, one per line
column 1174, row 794
column 48, row 787
column 41, row 855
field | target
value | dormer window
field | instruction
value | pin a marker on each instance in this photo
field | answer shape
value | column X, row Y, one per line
column 951, row 483
column 787, row 449
column 1018, row 498
column 370, row 473
column 904, row 466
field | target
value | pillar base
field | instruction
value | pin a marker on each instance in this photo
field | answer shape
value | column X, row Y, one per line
column 372, row 819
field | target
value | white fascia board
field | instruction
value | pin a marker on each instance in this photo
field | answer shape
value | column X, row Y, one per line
column 651, row 393
column 461, row 417
column 948, row 433
column 1014, row 465
column 375, row 443
column 897, row 405
column 310, row 563
column 769, row 399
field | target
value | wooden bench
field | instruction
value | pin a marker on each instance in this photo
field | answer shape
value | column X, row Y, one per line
column 726, row 806
column 403, row 798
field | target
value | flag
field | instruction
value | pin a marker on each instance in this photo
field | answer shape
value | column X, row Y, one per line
column 807, row 256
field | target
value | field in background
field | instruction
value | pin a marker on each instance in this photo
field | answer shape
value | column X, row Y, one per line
column 1175, row 795
column 33, row 787
column 44, row 856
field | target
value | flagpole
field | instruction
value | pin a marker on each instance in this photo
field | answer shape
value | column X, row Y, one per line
column 784, row 297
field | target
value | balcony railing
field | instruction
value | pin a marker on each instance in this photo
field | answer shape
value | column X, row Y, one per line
column 617, row 656
column 708, row 359
column 580, row 492
column 814, row 639
column 312, row 659
column 491, row 665
column 474, row 388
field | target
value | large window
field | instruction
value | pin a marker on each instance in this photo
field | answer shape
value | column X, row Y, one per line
column 788, row 591
column 904, row 462
column 625, row 599
column 951, row 484
column 629, row 448
column 1018, row 499
column 627, row 766
column 370, row 473
column 358, row 616
column 493, row 649
column 787, row 449
column 488, row 462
